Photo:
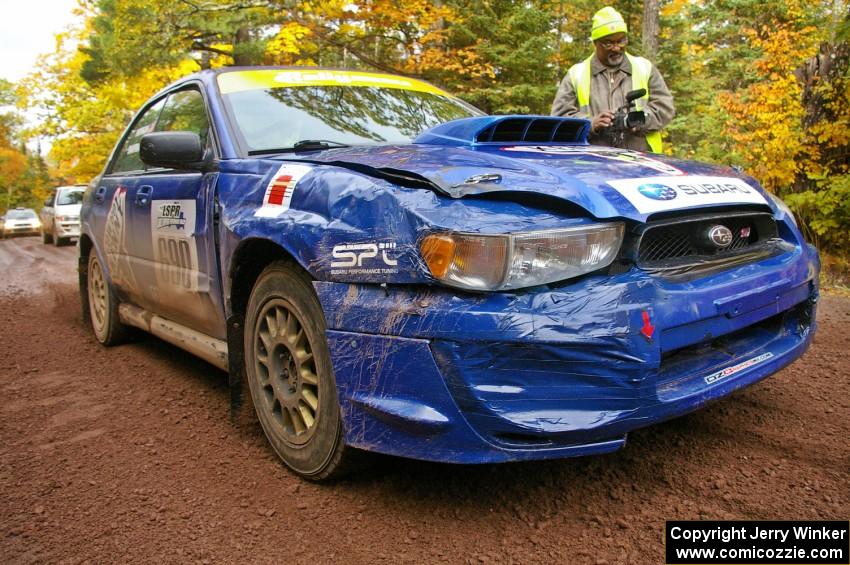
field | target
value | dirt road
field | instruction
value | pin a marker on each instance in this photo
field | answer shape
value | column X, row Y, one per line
column 128, row 455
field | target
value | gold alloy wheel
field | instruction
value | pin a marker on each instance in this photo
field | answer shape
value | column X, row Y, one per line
column 97, row 296
column 286, row 372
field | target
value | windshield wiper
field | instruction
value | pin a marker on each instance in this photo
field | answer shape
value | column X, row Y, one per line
column 311, row 144
column 303, row 145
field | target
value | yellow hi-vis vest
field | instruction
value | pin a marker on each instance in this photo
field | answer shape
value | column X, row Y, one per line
column 641, row 69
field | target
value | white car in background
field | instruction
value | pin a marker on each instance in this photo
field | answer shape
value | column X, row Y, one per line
column 60, row 217
column 20, row 221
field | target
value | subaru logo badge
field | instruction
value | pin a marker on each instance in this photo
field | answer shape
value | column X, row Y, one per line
column 657, row 191
column 720, row 236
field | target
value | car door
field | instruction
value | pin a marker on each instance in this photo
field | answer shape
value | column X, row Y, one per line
column 171, row 219
column 112, row 203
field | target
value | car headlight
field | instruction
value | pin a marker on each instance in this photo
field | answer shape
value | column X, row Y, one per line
column 518, row 260
column 783, row 207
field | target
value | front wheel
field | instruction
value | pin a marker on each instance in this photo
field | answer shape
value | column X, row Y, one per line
column 46, row 237
column 290, row 375
column 57, row 241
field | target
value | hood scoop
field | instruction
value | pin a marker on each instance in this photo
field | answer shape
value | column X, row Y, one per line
column 501, row 130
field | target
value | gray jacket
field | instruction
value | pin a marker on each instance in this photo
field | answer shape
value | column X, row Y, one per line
column 608, row 88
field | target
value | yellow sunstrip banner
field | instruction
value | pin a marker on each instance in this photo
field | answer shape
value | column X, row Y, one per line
column 239, row 81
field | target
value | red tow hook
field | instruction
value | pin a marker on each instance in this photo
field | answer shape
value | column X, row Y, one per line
column 648, row 329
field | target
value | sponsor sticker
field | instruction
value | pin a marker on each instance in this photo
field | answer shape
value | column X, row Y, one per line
column 371, row 258
column 176, row 216
column 658, row 194
column 620, row 155
column 113, row 235
column 238, row 81
column 729, row 371
column 280, row 189
column 174, row 247
column 115, row 240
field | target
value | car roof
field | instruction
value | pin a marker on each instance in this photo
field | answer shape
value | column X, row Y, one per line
column 209, row 76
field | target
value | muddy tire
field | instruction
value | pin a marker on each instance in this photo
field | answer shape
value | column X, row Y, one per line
column 289, row 373
column 46, row 237
column 103, row 306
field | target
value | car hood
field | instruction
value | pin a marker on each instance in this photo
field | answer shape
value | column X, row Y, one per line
column 606, row 182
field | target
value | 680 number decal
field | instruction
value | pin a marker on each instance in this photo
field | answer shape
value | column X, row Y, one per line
column 175, row 260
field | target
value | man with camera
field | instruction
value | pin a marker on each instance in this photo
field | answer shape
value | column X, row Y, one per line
column 597, row 89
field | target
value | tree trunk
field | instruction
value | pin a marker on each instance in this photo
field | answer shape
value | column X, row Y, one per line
column 560, row 73
column 650, row 28
column 822, row 79
column 242, row 55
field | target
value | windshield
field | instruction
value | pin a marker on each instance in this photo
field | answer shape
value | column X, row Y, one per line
column 20, row 214
column 70, row 197
column 277, row 117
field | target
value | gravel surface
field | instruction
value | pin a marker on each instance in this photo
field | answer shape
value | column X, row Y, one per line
column 128, row 455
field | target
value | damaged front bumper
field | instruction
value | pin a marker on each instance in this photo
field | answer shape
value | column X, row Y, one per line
column 433, row 374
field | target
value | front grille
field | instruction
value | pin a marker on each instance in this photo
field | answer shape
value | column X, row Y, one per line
column 684, row 240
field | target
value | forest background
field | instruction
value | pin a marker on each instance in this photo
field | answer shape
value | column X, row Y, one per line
column 760, row 84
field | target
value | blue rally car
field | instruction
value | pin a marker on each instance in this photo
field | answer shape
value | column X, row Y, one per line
column 391, row 270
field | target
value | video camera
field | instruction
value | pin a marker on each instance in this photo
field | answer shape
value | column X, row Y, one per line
column 626, row 118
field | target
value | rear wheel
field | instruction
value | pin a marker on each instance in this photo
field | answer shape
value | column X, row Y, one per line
column 103, row 306
column 290, row 375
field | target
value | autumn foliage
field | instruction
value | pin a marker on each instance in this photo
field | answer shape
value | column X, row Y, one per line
column 759, row 84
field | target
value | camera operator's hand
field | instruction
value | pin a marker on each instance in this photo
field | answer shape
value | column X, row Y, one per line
column 601, row 121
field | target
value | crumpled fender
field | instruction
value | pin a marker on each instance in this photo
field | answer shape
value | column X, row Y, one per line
column 345, row 226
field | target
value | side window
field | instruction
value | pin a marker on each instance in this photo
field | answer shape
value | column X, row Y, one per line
column 128, row 157
column 185, row 111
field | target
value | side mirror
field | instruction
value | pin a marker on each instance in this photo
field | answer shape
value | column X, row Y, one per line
column 172, row 150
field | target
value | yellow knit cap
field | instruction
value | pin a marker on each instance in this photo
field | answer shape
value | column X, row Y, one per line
column 607, row 21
